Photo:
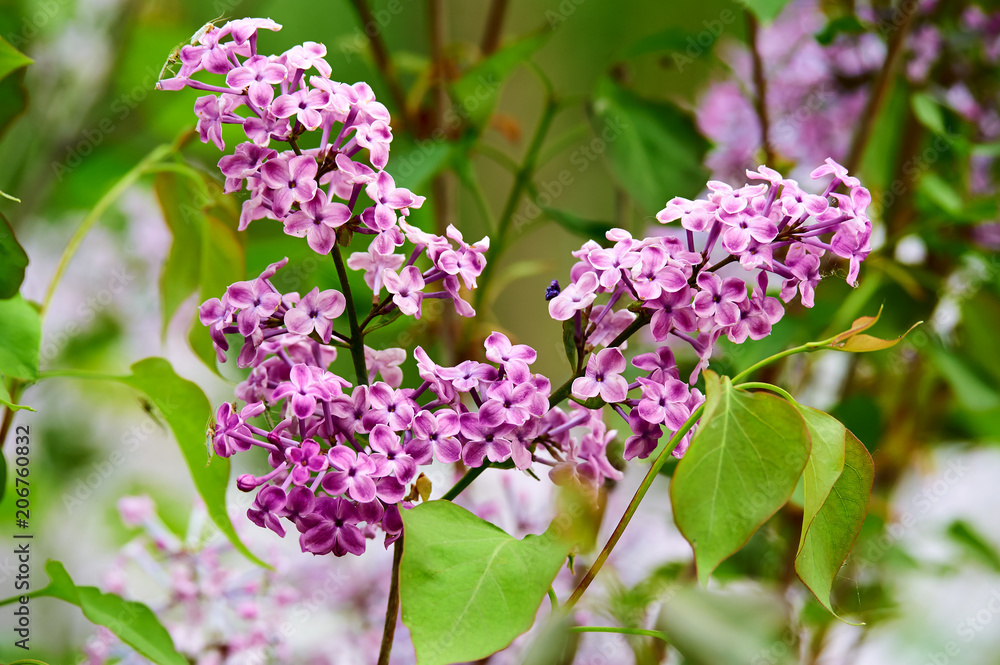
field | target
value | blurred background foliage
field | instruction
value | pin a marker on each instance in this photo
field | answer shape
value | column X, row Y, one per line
column 564, row 119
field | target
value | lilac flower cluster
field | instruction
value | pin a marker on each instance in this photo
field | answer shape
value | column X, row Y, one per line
column 343, row 455
column 771, row 227
column 314, row 191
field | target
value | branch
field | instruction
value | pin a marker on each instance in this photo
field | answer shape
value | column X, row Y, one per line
column 521, row 180
column 357, row 336
column 633, row 505
column 383, row 60
column 760, row 85
column 493, row 30
column 392, row 609
column 907, row 10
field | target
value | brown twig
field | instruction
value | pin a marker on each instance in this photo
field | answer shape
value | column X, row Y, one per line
column 902, row 19
column 760, row 88
column 441, row 190
column 493, row 30
column 380, row 52
column 392, row 609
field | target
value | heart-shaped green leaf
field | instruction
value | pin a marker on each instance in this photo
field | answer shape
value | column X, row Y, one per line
column 467, row 588
column 743, row 464
column 833, row 529
column 826, row 462
column 20, row 336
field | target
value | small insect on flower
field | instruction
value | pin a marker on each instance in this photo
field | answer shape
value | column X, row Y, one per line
column 175, row 54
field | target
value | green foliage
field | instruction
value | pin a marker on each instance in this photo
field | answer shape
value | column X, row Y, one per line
column 20, row 337
column 7, row 401
column 842, row 25
column 414, row 164
column 742, row 466
column 673, row 38
column 587, row 228
column 188, row 413
column 13, row 261
column 11, row 59
column 765, row 10
column 651, row 146
column 207, row 253
column 476, row 92
column 134, row 623
column 974, row 544
column 467, row 588
column 838, row 482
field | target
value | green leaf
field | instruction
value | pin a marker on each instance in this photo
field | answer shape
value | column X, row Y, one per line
column 742, row 466
column 591, row 229
column 20, row 336
column 11, row 59
column 765, row 10
column 415, row 164
column 182, row 267
column 673, row 38
column 382, row 320
column 569, row 342
column 847, row 25
column 826, row 462
column 972, row 391
column 134, row 623
column 467, row 588
column 13, row 261
column 937, row 191
column 986, row 149
column 476, row 92
column 188, row 413
column 928, row 112
column 836, row 525
column 207, row 253
column 653, row 147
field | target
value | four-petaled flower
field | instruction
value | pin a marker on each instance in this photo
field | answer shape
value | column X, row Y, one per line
column 306, row 460
column 317, row 220
column 603, row 377
column 316, row 311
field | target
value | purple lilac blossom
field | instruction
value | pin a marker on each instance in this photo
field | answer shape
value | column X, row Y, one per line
column 694, row 305
column 343, row 455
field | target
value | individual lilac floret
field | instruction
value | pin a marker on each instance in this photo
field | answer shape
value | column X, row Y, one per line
column 603, row 377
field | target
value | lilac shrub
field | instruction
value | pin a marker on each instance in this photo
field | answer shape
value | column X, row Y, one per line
column 343, row 452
